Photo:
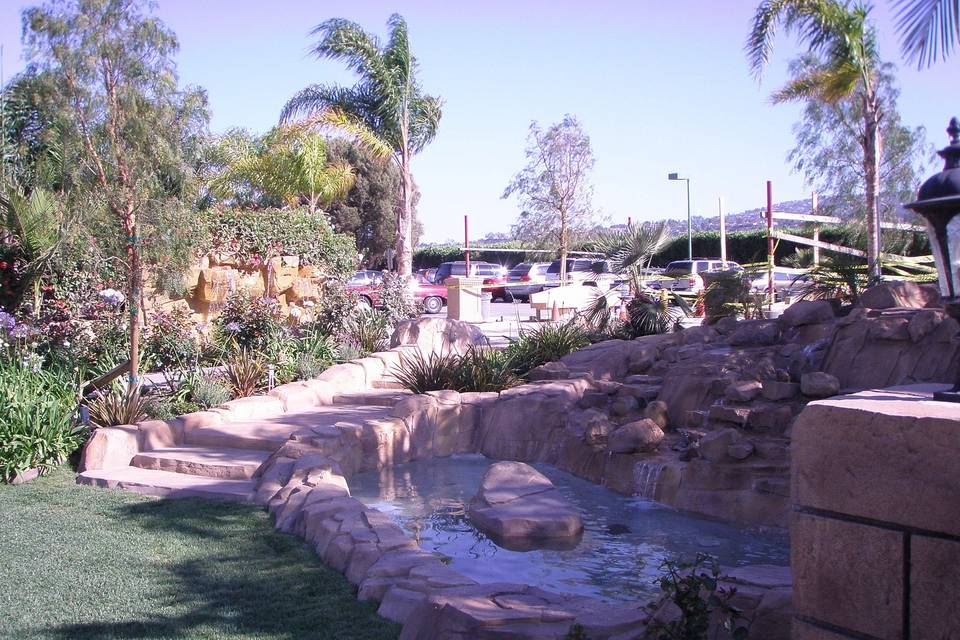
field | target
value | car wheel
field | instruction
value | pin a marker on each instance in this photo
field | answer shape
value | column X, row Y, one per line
column 364, row 303
column 433, row 304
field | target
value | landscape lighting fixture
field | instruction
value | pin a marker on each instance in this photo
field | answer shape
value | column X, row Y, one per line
column 939, row 203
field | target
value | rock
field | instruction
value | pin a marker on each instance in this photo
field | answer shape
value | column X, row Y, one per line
column 281, row 273
column 715, row 445
column 819, row 385
column 923, row 323
column 806, row 312
column 520, row 508
column 303, row 289
column 438, row 335
column 216, row 284
column 549, row 371
column 643, row 380
column 110, row 448
column 755, row 333
column 726, row 325
column 740, row 450
column 593, row 399
column 624, row 405
column 901, row 293
column 641, row 435
column 777, row 390
column 657, row 411
column 743, row 390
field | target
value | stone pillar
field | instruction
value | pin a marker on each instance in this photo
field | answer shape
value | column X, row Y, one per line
column 875, row 527
column 463, row 299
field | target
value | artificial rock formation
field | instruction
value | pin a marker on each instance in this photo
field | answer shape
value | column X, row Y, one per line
column 520, row 509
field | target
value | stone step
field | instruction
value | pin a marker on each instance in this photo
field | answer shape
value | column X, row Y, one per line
column 372, row 397
column 261, row 435
column 169, row 485
column 230, row 464
column 388, row 382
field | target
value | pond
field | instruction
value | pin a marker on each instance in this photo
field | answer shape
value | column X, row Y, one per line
column 624, row 542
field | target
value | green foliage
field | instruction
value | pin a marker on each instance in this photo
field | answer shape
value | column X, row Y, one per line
column 169, row 407
column 694, row 588
column 254, row 236
column 838, row 276
column 36, row 418
column 368, row 330
column 207, row 392
column 249, row 323
column 479, row 369
column 728, row 293
column 429, row 257
column 928, row 29
column 396, row 301
column 652, row 314
column 337, row 305
column 546, row 343
column 169, row 340
column 576, row 632
column 245, row 374
column 121, row 404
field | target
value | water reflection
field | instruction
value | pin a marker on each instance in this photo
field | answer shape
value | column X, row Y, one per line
column 623, row 544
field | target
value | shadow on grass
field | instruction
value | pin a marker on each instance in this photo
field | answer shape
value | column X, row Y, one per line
column 235, row 577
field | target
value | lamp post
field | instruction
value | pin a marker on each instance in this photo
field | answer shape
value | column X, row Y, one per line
column 675, row 176
column 939, row 203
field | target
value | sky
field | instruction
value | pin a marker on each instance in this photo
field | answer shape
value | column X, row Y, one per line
column 658, row 86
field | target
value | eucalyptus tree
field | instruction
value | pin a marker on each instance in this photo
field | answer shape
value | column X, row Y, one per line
column 845, row 66
column 386, row 109
column 554, row 188
column 122, row 111
column 289, row 164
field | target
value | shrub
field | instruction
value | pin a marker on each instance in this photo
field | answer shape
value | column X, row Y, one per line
column 421, row 373
column 368, row 330
column 483, row 369
column 254, row 235
column 205, row 392
column 544, row 344
column 693, row 587
column 169, row 340
column 396, row 301
column 119, row 405
column 168, row 408
column 249, row 323
column 651, row 315
column 337, row 305
column 245, row 374
column 37, row 429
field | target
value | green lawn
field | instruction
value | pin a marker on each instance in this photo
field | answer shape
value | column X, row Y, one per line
column 79, row 562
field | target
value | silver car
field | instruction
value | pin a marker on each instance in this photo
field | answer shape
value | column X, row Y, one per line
column 526, row 279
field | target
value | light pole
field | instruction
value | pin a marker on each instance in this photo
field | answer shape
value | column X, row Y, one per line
column 675, row 176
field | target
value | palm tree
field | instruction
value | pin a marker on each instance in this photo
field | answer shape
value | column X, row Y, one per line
column 386, row 108
column 928, row 29
column 33, row 224
column 844, row 44
column 290, row 165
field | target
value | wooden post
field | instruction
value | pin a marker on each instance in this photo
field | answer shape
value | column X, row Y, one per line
column 466, row 245
column 815, row 202
column 723, row 231
column 770, row 245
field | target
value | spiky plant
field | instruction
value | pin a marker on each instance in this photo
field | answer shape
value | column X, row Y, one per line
column 245, row 374
column 484, row 369
column 387, row 109
column 122, row 404
column 929, row 29
column 544, row 344
column 421, row 372
column 651, row 315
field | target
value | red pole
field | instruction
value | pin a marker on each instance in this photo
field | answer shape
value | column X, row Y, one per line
column 466, row 243
column 770, row 247
column 629, row 221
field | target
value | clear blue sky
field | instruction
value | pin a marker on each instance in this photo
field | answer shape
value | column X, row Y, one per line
column 659, row 87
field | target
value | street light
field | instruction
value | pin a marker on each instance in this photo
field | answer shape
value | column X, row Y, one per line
column 675, row 176
column 939, row 204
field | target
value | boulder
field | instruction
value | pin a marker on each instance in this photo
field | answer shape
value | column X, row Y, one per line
column 633, row 437
column 806, row 312
column 549, row 371
column 624, row 405
column 715, row 446
column 725, row 325
column 904, row 293
column 438, row 335
column 216, row 284
column 281, row 272
column 777, row 390
column 743, row 390
column 756, row 333
column 818, row 384
column 519, row 508
column 657, row 411
column 740, row 450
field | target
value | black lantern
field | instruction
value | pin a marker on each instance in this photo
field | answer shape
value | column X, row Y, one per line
column 939, row 204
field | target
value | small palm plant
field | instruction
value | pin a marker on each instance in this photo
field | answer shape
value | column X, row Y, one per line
column 123, row 404
column 245, row 374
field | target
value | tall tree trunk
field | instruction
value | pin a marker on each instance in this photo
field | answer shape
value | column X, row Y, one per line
column 563, row 248
column 134, row 292
column 405, row 220
column 871, row 170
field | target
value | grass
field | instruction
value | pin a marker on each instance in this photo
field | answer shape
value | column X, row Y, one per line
column 80, row 562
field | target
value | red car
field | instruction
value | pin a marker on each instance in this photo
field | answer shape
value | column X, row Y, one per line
column 367, row 285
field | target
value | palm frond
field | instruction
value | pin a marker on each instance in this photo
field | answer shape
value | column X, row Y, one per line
column 929, row 29
column 631, row 247
column 347, row 41
column 352, row 127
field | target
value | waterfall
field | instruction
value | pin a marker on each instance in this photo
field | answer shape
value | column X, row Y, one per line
column 646, row 477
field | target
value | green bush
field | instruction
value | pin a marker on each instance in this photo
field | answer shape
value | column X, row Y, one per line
column 337, row 306
column 37, row 428
column 544, row 344
column 253, row 236
column 119, row 405
column 249, row 323
column 396, row 301
column 479, row 369
column 368, row 330
column 169, row 340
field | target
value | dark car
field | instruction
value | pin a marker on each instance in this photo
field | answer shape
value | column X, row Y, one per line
column 368, row 285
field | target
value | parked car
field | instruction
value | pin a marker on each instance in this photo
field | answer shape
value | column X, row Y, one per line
column 368, row 285
column 786, row 282
column 580, row 271
column 684, row 275
column 526, row 279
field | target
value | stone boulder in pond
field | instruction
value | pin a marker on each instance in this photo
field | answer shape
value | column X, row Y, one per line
column 520, row 509
column 437, row 335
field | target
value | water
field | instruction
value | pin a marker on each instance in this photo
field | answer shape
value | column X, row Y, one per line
column 618, row 558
